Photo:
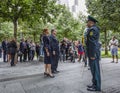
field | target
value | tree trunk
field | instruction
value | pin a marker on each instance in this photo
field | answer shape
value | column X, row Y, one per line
column 15, row 29
column 34, row 36
column 106, row 50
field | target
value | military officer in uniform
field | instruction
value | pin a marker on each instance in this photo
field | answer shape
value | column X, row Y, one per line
column 55, row 51
column 93, row 54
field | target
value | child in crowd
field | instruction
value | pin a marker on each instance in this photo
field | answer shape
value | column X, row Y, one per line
column 80, row 51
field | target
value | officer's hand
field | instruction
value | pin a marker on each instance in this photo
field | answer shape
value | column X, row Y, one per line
column 48, row 54
column 53, row 52
column 92, row 58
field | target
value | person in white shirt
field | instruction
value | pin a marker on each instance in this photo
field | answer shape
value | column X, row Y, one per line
column 114, row 48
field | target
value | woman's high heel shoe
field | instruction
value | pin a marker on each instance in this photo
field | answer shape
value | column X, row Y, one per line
column 45, row 74
column 51, row 76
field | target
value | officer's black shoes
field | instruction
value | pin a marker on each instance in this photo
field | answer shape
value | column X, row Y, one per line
column 90, row 86
column 93, row 89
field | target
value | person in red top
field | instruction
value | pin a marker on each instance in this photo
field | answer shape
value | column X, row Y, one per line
column 80, row 51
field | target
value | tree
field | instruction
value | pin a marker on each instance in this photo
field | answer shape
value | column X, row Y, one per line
column 31, row 16
column 13, row 10
column 67, row 25
column 107, row 12
column 47, row 17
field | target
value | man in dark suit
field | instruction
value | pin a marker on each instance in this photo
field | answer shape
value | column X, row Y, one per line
column 4, row 47
column 55, row 51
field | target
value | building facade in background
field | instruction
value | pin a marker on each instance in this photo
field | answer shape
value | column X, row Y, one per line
column 75, row 6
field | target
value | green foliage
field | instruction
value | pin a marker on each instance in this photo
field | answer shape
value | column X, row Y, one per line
column 6, row 30
column 29, row 17
column 68, row 26
column 107, row 12
column 109, row 54
column 25, row 10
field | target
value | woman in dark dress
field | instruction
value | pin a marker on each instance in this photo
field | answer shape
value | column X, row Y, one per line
column 47, row 53
column 13, row 50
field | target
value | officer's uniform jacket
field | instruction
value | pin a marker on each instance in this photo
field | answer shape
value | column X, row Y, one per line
column 92, row 41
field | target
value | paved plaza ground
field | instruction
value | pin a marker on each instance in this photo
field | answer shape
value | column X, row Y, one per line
column 73, row 77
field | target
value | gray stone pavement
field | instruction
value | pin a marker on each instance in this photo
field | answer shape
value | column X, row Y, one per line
column 73, row 78
column 24, row 70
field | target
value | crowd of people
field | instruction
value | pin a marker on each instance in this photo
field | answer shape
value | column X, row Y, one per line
column 27, row 50
column 12, row 52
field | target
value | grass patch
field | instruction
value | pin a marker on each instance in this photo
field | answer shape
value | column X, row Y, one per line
column 109, row 54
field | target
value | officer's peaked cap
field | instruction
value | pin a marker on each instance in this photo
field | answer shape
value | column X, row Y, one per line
column 90, row 18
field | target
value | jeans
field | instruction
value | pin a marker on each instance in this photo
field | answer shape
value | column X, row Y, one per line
column 41, row 50
column 32, row 53
column 63, row 55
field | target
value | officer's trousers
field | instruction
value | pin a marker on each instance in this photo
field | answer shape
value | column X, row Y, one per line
column 95, row 70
